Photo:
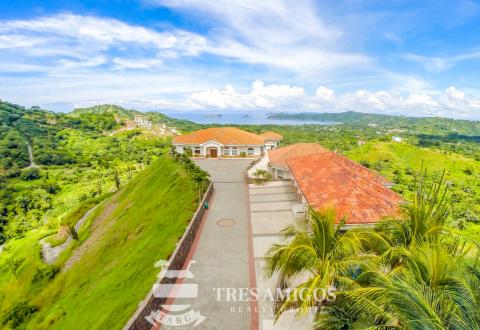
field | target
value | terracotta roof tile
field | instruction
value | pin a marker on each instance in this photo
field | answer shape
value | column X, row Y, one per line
column 278, row 156
column 329, row 180
column 271, row 136
column 223, row 135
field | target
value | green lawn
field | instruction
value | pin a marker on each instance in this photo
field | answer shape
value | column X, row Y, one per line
column 132, row 230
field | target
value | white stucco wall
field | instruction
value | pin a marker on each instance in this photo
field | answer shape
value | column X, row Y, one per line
column 257, row 150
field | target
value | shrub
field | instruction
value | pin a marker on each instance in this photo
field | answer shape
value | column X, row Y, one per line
column 19, row 314
column 45, row 273
column 261, row 176
column 365, row 163
column 30, row 174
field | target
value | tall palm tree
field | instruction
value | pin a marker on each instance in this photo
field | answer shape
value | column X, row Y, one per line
column 323, row 259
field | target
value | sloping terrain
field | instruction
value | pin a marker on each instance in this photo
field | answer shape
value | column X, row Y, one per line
column 400, row 161
column 125, row 236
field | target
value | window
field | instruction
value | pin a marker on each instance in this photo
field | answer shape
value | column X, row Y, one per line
column 226, row 151
column 250, row 151
column 197, row 151
column 234, row 151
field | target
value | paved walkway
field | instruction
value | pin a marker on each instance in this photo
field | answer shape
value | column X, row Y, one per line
column 222, row 255
column 271, row 211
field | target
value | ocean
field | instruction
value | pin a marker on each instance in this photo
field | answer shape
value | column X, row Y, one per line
column 237, row 118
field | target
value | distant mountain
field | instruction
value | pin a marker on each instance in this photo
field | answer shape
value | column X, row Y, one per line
column 352, row 118
column 106, row 108
column 129, row 114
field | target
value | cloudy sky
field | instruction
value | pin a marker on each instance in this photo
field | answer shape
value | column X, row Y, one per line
column 417, row 58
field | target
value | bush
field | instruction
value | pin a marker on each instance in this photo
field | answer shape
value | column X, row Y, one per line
column 243, row 154
column 51, row 187
column 30, row 174
column 365, row 163
column 45, row 273
column 261, row 176
column 19, row 314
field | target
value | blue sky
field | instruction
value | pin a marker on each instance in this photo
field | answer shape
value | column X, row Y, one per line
column 418, row 58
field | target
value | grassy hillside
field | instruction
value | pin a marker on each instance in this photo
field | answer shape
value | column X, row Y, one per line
column 399, row 161
column 107, row 272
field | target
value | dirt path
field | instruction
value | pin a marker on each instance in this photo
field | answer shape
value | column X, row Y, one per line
column 49, row 253
column 94, row 237
column 30, row 156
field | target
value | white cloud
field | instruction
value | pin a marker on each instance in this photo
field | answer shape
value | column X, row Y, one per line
column 272, row 32
column 324, row 93
column 103, row 32
column 261, row 97
column 452, row 102
column 57, row 42
column 438, row 64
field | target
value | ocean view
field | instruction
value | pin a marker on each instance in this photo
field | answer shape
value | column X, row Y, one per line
column 238, row 118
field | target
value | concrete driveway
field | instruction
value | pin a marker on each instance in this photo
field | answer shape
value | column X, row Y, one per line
column 222, row 254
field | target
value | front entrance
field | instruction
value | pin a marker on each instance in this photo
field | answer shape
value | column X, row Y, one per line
column 213, row 153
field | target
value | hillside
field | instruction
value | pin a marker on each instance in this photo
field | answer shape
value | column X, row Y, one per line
column 110, row 267
column 105, row 108
column 124, row 115
column 399, row 162
column 425, row 125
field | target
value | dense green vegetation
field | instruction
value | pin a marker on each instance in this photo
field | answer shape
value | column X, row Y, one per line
column 113, row 260
column 76, row 156
column 425, row 125
column 400, row 162
column 98, row 156
column 407, row 273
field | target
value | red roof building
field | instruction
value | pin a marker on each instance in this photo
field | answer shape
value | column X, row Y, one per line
column 328, row 180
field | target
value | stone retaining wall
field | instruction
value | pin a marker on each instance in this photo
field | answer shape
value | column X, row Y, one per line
column 177, row 261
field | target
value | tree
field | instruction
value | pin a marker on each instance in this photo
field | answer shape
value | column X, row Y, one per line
column 427, row 277
column 72, row 232
column 433, row 289
column 116, row 179
column 328, row 259
column 29, row 174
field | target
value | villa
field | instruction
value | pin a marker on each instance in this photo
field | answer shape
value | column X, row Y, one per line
column 226, row 142
column 329, row 180
column 324, row 179
column 277, row 157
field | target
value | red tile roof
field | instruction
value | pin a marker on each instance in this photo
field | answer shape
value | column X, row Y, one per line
column 278, row 156
column 271, row 136
column 329, row 180
column 223, row 135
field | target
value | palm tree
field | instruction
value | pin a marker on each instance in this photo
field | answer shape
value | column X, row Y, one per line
column 435, row 288
column 426, row 215
column 325, row 257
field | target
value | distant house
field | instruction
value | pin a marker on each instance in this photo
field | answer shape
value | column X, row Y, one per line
column 277, row 157
column 143, row 121
column 396, row 139
column 272, row 139
column 329, row 180
column 224, row 142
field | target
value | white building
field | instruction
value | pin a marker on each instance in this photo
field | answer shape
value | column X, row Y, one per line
column 224, row 142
